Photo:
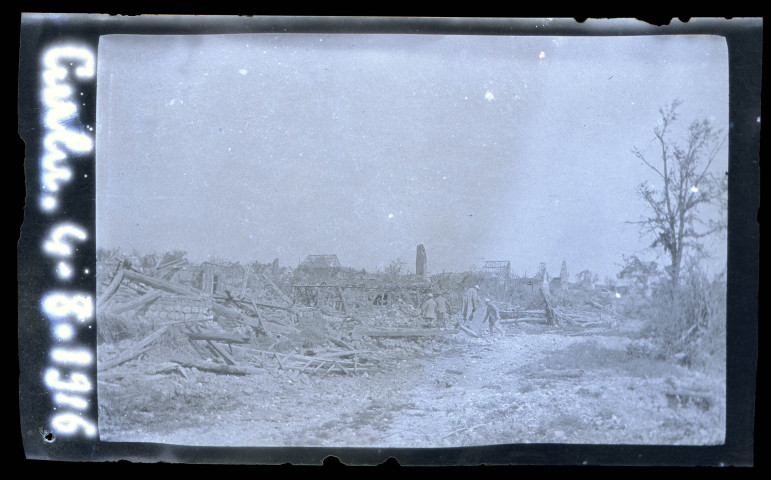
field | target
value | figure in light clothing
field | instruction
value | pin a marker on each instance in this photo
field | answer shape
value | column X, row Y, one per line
column 429, row 310
column 492, row 317
column 470, row 303
column 442, row 309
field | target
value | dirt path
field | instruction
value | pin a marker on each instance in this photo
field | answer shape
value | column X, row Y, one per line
column 535, row 385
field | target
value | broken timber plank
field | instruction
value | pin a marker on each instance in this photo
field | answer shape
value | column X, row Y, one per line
column 524, row 319
column 192, row 320
column 339, row 343
column 239, row 317
column 216, row 367
column 218, row 337
column 202, row 352
column 278, row 290
column 111, row 289
column 605, row 309
column 132, row 351
column 342, row 368
column 161, row 284
column 343, row 354
column 402, row 332
column 306, row 366
column 275, row 307
column 136, row 303
column 259, row 319
column 469, row 331
column 254, row 304
column 228, row 358
column 280, row 365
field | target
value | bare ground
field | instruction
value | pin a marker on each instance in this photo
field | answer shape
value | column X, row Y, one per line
column 536, row 384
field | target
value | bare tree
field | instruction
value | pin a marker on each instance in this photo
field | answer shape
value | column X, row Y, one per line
column 688, row 183
column 395, row 268
column 587, row 279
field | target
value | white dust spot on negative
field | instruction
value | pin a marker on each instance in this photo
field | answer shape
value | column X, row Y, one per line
column 63, row 331
column 542, row 55
column 489, row 96
column 48, row 203
column 390, row 215
column 64, row 270
column 172, row 101
column 694, row 189
column 242, row 71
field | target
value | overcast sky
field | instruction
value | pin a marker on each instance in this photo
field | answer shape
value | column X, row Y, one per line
column 252, row 147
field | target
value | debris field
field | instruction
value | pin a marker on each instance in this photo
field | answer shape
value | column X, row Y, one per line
column 190, row 354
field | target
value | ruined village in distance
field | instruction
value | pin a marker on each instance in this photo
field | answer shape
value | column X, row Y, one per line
column 325, row 355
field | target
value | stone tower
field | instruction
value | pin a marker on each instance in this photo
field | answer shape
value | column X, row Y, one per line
column 421, row 262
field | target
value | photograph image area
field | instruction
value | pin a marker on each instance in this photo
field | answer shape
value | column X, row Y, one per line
column 360, row 240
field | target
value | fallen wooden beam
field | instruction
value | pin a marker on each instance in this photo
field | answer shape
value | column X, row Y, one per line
column 343, row 354
column 469, row 331
column 218, row 337
column 191, row 320
column 339, row 343
column 159, row 284
column 217, row 367
column 402, row 332
column 223, row 353
column 604, row 308
column 278, row 290
column 253, row 303
column 136, row 303
column 285, row 360
column 133, row 351
column 278, row 359
column 110, row 290
column 526, row 319
column 239, row 317
column 339, row 364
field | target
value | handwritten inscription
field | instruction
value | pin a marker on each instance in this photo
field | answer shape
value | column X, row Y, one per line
column 67, row 311
column 59, row 110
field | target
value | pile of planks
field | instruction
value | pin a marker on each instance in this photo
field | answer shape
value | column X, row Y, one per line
column 222, row 346
column 597, row 314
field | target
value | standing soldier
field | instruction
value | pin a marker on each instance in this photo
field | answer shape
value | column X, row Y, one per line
column 429, row 310
column 442, row 309
column 470, row 304
column 492, row 316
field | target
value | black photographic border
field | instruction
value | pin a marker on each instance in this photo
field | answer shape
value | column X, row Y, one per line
column 36, row 270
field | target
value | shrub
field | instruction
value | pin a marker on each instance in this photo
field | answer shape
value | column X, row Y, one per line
column 688, row 321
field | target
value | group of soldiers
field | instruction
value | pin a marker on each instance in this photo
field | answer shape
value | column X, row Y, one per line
column 436, row 310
